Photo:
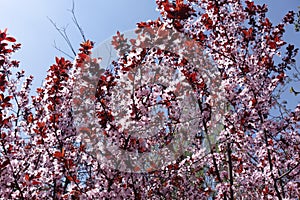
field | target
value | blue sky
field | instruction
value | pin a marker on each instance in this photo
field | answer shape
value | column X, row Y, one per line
column 28, row 22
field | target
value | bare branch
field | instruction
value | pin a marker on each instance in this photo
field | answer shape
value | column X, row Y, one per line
column 62, row 51
column 63, row 33
column 76, row 21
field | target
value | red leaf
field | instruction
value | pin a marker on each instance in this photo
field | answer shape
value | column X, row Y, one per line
column 250, row 4
column 10, row 39
column 250, row 31
column 83, row 56
column 7, row 99
column 30, row 118
column 253, row 102
column 40, row 141
column 70, row 178
column 143, row 24
column 266, row 190
column 272, row 44
column 58, row 154
column 34, row 182
column 57, row 60
column 267, row 23
column 41, row 124
column 2, row 36
column 27, row 177
column 74, row 179
column 130, row 77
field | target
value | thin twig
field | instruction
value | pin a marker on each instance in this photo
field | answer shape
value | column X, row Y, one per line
column 76, row 21
column 288, row 172
column 62, row 51
column 63, row 33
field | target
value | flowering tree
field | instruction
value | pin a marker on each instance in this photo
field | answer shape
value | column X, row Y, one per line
column 201, row 80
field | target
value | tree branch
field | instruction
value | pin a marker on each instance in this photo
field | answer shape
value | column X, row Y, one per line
column 76, row 21
column 63, row 33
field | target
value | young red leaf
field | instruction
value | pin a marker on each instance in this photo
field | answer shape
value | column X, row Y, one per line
column 58, row 154
column 10, row 39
